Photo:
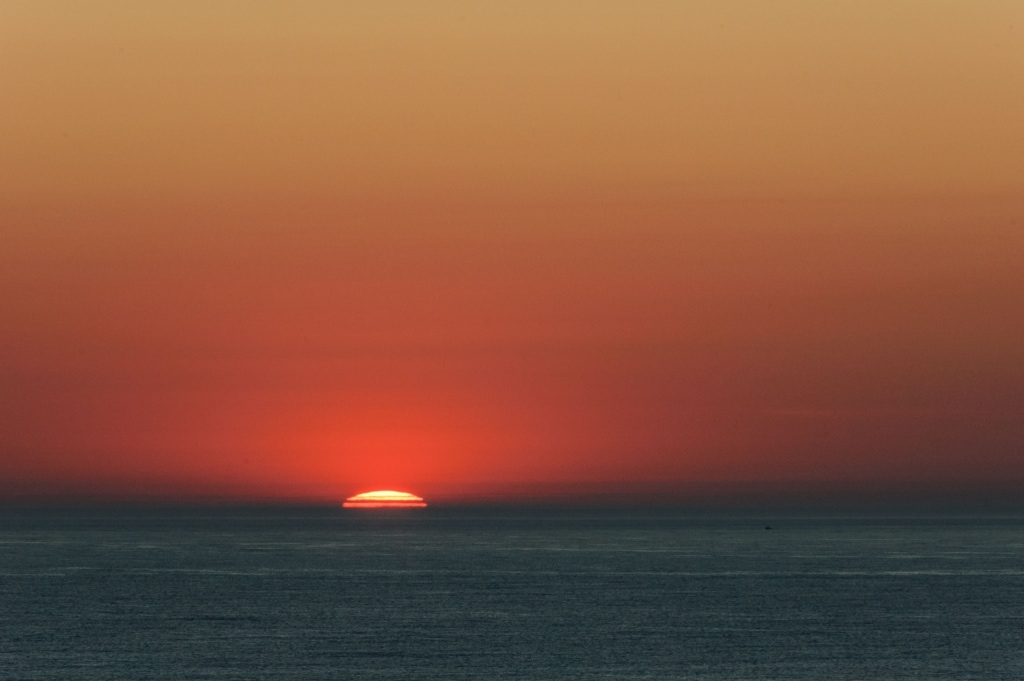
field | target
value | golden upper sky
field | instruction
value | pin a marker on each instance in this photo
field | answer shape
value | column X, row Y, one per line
column 658, row 98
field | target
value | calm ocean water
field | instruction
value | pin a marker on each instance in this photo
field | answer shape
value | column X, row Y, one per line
column 509, row 594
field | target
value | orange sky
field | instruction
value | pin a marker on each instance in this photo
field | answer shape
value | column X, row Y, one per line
column 301, row 250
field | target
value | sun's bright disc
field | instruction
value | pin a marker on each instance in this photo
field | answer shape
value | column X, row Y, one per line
column 385, row 498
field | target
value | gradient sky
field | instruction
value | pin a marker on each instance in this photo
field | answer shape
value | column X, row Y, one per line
column 297, row 250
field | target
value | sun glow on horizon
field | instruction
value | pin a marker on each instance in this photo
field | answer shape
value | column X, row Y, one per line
column 384, row 498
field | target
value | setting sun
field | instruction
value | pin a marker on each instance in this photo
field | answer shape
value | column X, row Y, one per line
column 385, row 498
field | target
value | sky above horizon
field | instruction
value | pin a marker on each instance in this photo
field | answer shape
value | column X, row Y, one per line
column 301, row 250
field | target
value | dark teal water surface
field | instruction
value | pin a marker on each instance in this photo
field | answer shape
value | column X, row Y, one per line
column 509, row 594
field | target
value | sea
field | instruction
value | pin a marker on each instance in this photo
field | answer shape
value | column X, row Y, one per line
column 510, row 593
